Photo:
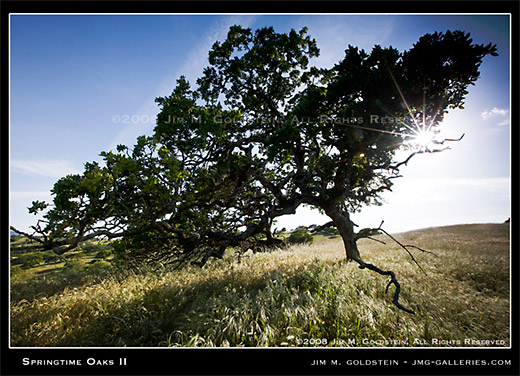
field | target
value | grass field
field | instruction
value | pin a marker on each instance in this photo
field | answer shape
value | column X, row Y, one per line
column 303, row 296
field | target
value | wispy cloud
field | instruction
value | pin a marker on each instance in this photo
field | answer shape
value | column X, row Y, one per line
column 198, row 58
column 196, row 61
column 494, row 112
column 49, row 168
column 504, row 122
column 334, row 33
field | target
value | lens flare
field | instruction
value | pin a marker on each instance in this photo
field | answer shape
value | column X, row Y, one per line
column 424, row 140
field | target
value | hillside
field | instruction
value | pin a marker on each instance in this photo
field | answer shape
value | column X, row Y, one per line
column 304, row 296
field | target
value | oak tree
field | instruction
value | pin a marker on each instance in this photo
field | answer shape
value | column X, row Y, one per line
column 260, row 134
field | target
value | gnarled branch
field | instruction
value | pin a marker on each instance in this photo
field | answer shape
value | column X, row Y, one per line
column 393, row 281
column 368, row 233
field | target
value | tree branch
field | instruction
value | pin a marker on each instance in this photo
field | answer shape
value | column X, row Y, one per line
column 448, row 140
column 323, row 227
column 393, row 281
column 369, row 232
column 32, row 237
column 405, row 162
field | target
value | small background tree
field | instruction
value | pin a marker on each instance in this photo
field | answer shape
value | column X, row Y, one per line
column 300, row 235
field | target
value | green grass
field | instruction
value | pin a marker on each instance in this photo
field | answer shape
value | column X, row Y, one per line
column 305, row 296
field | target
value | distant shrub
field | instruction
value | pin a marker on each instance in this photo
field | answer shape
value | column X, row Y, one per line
column 52, row 257
column 331, row 231
column 105, row 253
column 73, row 266
column 17, row 261
column 76, row 256
column 94, row 247
column 300, row 236
column 15, row 270
column 100, row 266
column 31, row 260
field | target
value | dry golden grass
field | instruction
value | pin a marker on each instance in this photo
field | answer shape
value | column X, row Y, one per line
column 304, row 296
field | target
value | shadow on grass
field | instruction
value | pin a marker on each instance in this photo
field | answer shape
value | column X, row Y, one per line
column 173, row 313
column 50, row 282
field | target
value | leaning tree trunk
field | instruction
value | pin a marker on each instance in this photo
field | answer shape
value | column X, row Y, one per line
column 345, row 228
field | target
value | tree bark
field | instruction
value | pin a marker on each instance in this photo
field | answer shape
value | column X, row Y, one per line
column 345, row 228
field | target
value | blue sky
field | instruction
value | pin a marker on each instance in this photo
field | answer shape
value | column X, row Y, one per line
column 81, row 84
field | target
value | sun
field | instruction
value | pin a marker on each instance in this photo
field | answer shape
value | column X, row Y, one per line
column 423, row 140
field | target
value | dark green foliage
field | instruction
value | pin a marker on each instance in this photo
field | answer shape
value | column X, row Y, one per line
column 31, row 260
column 259, row 135
column 106, row 253
column 300, row 236
column 92, row 247
column 51, row 257
column 75, row 256
column 331, row 231
column 73, row 266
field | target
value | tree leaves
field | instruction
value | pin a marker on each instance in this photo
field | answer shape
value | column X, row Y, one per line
column 260, row 134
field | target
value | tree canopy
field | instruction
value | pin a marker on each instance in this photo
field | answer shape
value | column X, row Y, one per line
column 261, row 133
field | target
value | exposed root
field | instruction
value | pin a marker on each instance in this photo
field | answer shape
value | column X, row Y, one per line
column 393, row 281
